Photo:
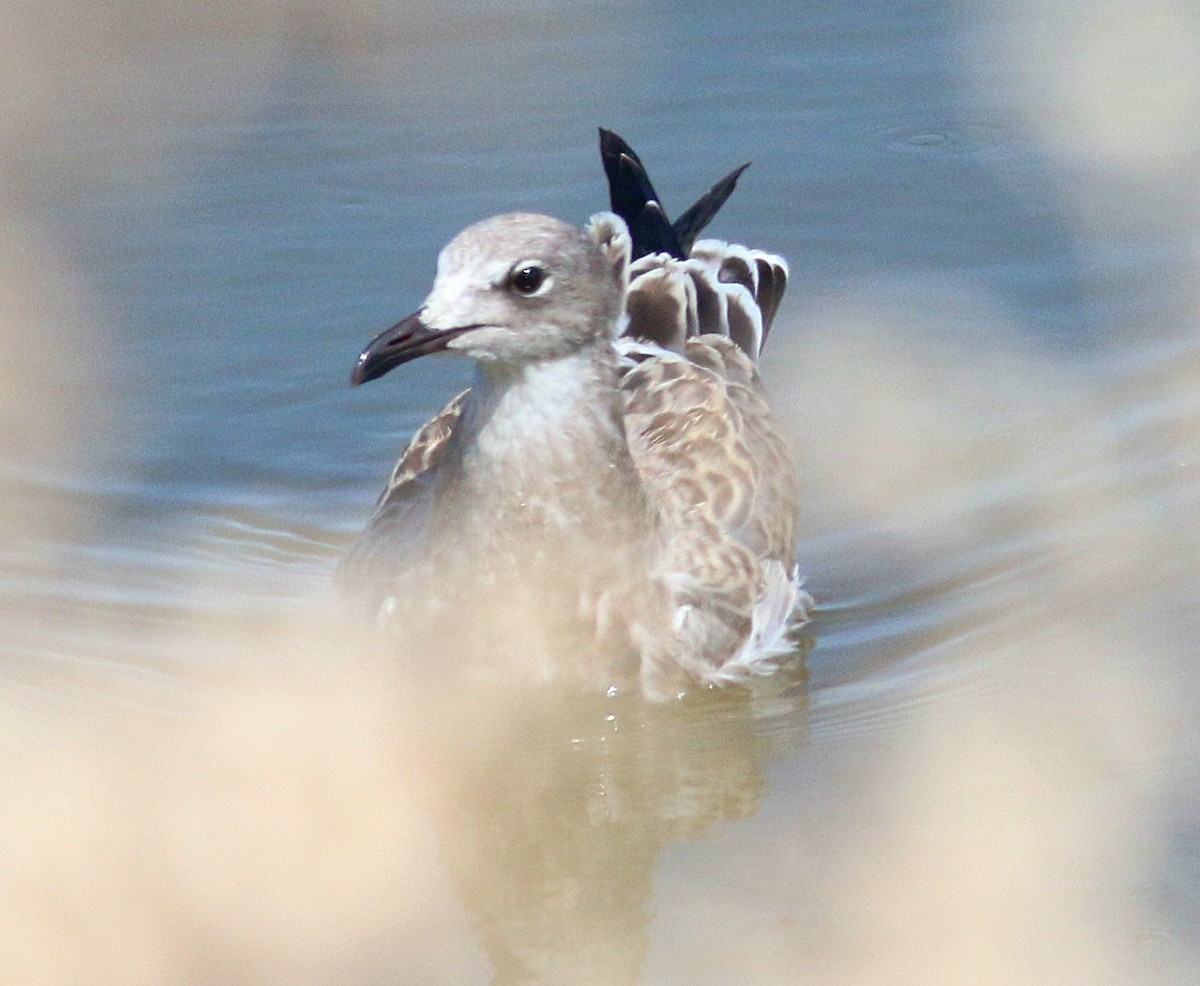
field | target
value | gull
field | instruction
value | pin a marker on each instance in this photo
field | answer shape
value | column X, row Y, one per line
column 611, row 504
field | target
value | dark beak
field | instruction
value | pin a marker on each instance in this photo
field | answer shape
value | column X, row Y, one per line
column 404, row 341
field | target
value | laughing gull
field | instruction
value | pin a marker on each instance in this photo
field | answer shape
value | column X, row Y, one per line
column 611, row 503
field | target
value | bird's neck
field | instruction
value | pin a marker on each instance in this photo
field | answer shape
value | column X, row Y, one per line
column 532, row 411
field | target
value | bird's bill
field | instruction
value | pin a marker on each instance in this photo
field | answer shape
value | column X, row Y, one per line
column 404, row 341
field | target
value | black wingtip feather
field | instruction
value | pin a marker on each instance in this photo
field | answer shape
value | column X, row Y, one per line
column 689, row 226
column 613, row 145
column 629, row 187
column 634, row 199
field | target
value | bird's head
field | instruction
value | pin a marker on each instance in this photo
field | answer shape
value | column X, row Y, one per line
column 514, row 289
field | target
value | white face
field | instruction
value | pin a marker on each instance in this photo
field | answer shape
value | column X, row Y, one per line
column 534, row 287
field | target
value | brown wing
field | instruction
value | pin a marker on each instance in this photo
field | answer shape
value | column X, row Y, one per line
column 722, row 481
column 381, row 551
column 425, row 447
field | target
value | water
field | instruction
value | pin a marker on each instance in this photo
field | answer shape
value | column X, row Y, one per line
column 987, row 361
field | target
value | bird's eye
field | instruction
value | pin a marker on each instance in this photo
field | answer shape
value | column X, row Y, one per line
column 528, row 279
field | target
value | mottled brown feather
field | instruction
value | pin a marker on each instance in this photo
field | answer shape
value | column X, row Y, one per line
column 719, row 475
column 425, row 448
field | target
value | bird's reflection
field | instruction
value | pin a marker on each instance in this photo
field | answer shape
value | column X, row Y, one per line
column 551, row 823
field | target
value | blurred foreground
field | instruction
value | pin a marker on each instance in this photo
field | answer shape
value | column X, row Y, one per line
column 210, row 775
column 1003, row 803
